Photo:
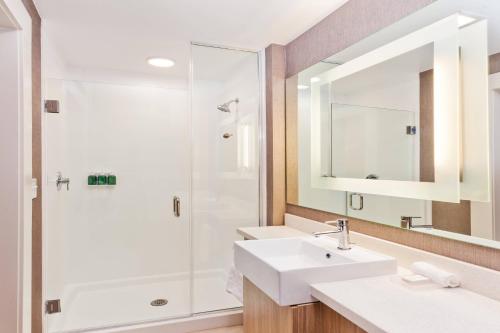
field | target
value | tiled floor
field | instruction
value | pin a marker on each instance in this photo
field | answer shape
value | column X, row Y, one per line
column 234, row 329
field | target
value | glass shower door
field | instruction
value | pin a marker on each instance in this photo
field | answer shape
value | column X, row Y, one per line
column 144, row 196
column 115, row 253
column 225, row 167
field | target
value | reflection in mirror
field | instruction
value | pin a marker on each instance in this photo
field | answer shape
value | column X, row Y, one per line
column 374, row 80
column 384, row 130
column 384, row 146
column 370, row 129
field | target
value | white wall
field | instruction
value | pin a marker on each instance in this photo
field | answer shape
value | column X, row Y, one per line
column 104, row 233
column 10, row 178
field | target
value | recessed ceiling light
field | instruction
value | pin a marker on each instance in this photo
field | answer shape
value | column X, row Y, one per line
column 160, row 62
column 302, row 87
column 315, row 79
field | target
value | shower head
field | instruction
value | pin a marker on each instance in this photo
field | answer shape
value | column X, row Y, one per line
column 225, row 107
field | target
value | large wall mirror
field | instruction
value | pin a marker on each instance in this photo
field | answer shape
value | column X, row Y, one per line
column 400, row 128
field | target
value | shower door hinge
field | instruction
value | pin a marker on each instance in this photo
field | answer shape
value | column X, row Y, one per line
column 53, row 306
column 51, row 106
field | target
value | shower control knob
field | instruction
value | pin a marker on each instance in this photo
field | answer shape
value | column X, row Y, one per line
column 60, row 181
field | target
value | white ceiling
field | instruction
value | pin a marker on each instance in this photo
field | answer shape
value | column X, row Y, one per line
column 120, row 34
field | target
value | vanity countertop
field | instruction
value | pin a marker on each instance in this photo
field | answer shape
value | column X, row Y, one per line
column 270, row 232
column 389, row 304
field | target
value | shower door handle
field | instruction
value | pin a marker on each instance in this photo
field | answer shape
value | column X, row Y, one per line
column 177, row 206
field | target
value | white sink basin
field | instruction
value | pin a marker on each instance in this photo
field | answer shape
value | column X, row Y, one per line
column 285, row 268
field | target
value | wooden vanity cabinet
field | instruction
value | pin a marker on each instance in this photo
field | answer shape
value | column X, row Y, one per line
column 262, row 315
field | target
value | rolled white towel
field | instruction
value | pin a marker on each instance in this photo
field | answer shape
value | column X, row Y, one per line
column 439, row 276
column 234, row 284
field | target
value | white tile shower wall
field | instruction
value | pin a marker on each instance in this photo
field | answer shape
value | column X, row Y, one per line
column 104, row 233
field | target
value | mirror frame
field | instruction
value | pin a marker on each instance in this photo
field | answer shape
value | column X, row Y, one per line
column 444, row 35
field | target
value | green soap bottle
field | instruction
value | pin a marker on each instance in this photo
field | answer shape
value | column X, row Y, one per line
column 111, row 179
column 101, row 180
column 92, row 180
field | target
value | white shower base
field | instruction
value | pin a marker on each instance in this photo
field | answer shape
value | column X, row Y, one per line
column 124, row 302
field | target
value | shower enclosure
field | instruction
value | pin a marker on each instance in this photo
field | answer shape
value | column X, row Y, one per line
column 145, row 188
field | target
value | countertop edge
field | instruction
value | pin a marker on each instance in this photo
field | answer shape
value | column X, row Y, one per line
column 346, row 312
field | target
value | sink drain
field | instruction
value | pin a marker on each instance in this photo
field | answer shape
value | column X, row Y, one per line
column 159, row 302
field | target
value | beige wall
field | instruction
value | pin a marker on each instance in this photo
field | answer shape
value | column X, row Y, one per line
column 275, row 127
column 495, row 63
column 344, row 27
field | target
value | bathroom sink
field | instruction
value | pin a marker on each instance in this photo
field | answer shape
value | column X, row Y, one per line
column 285, row 268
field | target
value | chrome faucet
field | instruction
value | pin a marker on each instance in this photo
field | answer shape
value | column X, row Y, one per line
column 407, row 223
column 342, row 229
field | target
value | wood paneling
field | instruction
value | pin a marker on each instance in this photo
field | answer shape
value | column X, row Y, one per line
column 306, row 318
column 36, row 267
column 495, row 63
column 292, row 141
column 262, row 315
column 349, row 24
column 452, row 217
column 233, row 329
column 275, row 134
column 333, row 322
column 427, row 126
column 471, row 253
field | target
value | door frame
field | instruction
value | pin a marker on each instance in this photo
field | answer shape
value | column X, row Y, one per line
column 16, row 175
